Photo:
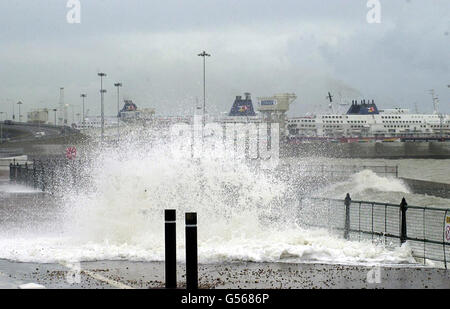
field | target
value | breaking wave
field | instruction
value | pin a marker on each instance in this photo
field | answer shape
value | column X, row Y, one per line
column 244, row 213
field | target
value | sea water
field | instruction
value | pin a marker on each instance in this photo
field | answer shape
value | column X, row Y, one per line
column 244, row 213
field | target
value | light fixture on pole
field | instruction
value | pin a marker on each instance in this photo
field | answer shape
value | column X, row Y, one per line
column 102, row 92
column 73, row 114
column 83, row 96
column 118, row 85
column 55, row 110
column 204, row 55
column 66, row 111
column 20, row 116
column 1, row 129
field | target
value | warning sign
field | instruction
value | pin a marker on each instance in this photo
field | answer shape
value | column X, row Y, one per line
column 447, row 228
column 71, row 153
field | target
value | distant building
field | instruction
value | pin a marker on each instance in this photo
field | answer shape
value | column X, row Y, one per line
column 38, row 116
column 130, row 112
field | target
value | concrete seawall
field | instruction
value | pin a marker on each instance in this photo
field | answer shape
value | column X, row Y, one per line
column 393, row 150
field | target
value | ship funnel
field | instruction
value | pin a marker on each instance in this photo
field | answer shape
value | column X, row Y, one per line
column 247, row 96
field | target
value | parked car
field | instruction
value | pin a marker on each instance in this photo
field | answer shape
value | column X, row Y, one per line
column 39, row 134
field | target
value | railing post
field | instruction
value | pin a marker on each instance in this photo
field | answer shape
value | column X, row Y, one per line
column 19, row 173
column 26, row 180
column 444, row 238
column 34, row 175
column 52, row 176
column 347, row 204
column 170, row 248
column 11, row 171
column 191, row 251
column 403, row 230
column 42, row 177
column 16, row 172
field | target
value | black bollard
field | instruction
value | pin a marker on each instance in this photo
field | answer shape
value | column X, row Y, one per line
column 171, row 248
column 403, row 231
column 191, row 251
column 347, row 203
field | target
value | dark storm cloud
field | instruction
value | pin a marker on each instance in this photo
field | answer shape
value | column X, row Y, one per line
column 260, row 46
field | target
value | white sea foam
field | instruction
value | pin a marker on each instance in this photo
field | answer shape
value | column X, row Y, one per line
column 367, row 185
column 243, row 215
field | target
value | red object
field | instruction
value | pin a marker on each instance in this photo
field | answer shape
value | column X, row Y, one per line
column 71, row 153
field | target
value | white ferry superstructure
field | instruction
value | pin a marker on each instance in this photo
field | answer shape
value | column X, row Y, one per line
column 366, row 120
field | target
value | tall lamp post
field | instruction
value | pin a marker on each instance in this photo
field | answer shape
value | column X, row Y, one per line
column 204, row 55
column 1, row 128
column 83, row 96
column 20, row 116
column 73, row 113
column 102, row 92
column 66, row 113
column 55, row 110
column 118, row 85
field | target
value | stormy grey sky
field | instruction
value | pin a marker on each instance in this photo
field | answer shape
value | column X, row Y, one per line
column 260, row 46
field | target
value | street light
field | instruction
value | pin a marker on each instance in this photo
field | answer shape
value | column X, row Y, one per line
column 118, row 85
column 1, row 128
column 55, row 110
column 204, row 55
column 20, row 116
column 66, row 111
column 102, row 92
column 83, row 96
column 73, row 113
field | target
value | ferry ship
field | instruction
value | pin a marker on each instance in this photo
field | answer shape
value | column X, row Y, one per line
column 128, row 114
column 364, row 120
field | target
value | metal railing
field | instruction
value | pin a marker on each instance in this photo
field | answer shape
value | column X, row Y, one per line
column 427, row 229
column 47, row 176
